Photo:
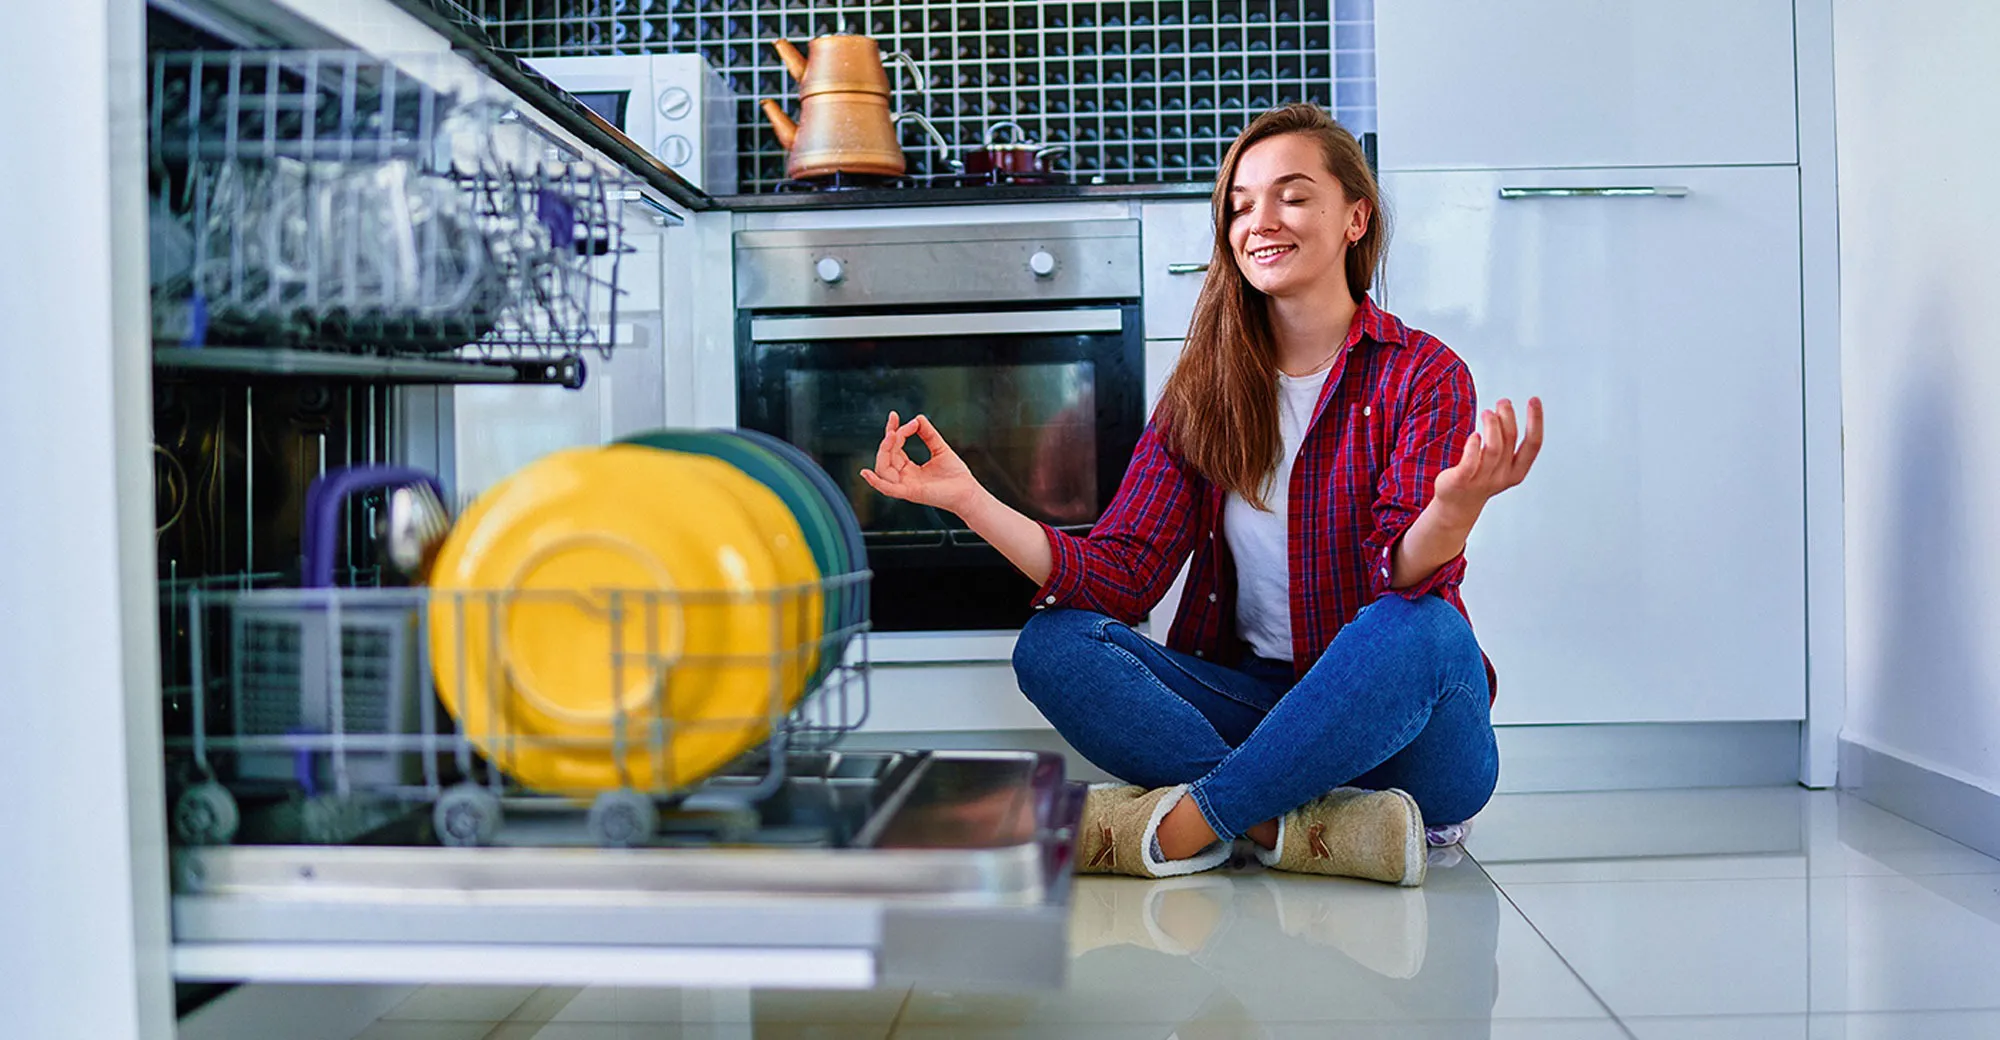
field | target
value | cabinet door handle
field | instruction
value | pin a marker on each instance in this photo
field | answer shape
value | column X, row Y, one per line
column 1186, row 268
column 1664, row 191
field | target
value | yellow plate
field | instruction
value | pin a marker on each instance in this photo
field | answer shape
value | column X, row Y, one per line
column 621, row 592
column 791, row 607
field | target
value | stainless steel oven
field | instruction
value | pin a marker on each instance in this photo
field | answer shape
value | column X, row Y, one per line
column 1021, row 342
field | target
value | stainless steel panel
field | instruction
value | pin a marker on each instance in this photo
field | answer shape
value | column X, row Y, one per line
column 891, row 326
column 411, row 876
column 961, row 878
column 955, row 265
column 512, row 919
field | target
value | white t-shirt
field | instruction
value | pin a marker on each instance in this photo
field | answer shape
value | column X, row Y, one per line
column 1258, row 540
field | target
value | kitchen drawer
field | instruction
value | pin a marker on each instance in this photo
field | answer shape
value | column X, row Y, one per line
column 1547, row 83
column 1173, row 236
column 1652, row 567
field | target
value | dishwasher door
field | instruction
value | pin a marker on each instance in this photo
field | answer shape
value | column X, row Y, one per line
column 942, row 869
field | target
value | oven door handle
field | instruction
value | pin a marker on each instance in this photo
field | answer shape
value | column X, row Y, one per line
column 909, row 326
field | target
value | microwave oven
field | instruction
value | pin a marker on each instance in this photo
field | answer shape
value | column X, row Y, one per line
column 673, row 105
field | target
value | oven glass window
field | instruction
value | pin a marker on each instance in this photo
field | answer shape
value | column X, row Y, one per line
column 1028, row 432
column 1046, row 421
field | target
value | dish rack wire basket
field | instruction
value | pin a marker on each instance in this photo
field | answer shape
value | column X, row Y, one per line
column 337, row 201
column 323, row 703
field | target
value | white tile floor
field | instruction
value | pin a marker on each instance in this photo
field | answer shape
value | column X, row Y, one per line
column 1657, row 915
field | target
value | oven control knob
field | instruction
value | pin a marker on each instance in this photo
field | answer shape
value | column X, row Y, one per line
column 1043, row 263
column 830, row 270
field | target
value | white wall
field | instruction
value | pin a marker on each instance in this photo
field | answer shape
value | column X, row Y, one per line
column 1917, row 104
column 83, row 865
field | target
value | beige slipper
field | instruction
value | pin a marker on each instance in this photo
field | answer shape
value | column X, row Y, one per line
column 1116, row 835
column 1348, row 832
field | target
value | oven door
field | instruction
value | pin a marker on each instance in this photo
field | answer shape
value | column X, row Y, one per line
column 1045, row 405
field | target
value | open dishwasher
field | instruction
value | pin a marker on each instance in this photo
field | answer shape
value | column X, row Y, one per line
column 339, row 239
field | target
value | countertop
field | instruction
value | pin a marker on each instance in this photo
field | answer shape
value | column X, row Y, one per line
column 958, row 196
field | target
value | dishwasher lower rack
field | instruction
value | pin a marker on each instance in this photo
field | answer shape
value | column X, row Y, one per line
column 315, row 716
column 958, row 877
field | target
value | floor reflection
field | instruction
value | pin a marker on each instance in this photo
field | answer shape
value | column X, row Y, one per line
column 1220, row 953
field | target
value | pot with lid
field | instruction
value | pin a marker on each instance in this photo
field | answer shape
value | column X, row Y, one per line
column 1017, row 156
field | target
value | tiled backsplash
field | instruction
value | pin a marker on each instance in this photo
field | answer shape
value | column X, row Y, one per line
column 1140, row 90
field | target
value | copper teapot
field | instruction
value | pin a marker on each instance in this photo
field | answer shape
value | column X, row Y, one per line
column 844, row 123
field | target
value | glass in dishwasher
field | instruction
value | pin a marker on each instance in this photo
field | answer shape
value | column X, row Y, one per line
column 331, row 201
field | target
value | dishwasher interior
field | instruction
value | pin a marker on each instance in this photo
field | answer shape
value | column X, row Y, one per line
column 340, row 241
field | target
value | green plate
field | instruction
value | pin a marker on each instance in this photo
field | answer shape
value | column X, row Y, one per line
column 854, row 606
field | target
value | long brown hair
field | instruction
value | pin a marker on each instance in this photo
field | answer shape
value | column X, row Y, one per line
column 1219, row 410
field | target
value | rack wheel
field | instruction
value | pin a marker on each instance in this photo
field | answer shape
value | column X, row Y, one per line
column 466, row 815
column 189, row 875
column 623, row 819
column 206, row 814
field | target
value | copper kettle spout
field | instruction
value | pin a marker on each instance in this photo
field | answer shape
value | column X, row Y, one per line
column 781, row 124
column 795, row 63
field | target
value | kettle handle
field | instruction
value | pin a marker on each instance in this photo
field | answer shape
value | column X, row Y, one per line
column 943, row 146
column 916, row 73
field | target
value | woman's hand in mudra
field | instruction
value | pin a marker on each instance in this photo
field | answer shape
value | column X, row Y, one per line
column 1492, row 461
column 944, row 481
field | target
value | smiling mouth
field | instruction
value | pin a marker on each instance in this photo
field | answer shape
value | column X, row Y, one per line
column 1266, row 254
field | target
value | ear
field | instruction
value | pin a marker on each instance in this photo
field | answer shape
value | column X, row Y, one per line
column 1357, row 221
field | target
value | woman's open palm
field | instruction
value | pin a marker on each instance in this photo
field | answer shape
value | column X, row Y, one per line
column 944, row 481
column 1492, row 461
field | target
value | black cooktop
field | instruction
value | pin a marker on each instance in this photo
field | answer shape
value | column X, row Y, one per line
column 948, row 191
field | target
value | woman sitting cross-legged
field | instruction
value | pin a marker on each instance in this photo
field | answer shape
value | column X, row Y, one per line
column 1320, row 693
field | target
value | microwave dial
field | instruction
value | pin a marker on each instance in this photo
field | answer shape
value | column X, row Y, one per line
column 676, row 103
column 676, row 150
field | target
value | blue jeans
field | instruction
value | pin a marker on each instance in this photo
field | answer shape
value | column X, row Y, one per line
column 1398, row 700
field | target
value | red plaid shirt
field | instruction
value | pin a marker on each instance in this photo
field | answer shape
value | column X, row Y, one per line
column 1396, row 410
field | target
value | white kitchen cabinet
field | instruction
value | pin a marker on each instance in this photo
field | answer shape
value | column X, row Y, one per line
column 1175, row 242
column 1161, row 357
column 1652, row 567
column 1550, row 83
column 1161, row 354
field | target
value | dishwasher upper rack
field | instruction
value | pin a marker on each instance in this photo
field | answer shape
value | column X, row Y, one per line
column 316, row 716
column 337, row 201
